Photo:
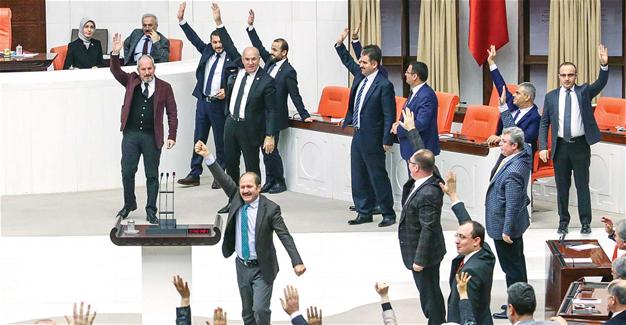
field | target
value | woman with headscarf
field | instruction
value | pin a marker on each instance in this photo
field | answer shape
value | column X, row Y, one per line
column 85, row 52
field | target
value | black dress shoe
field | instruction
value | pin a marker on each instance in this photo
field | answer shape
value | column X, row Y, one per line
column 562, row 229
column 215, row 185
column 500, row 315
column 352, row 208
column 152, row 218
column 585, row 229
column 278, row 187
column 360, row 218
column 189, row 181
column 387, row 222
column 225, row 209
column 267, row 186
column 125, row 211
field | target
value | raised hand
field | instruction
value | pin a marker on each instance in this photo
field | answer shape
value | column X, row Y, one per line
column 250, row 17
column 342, row 36
column 291, row 303
column 450, row 186
column 382, row 288
column 80, row 318
column 313, row 317
column 491, row 59
column 201, row 149
column 408, row 122
column 503, row 96
column 608, row 225
column 117, row 44
column 299, row 269
column 355, row 33
column 183, row 290
column 462, row 279
column 181, row 11
column 219, row 316
column 603, row 54
column 217, row 15
column 268, row 144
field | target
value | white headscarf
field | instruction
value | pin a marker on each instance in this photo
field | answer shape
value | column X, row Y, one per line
column 81, row 34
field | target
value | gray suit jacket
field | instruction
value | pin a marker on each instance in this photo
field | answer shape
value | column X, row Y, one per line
column 160, row 51
column 268, row 221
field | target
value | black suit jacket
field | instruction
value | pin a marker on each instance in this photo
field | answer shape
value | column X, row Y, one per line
column 261, row 102
column 286, row 83
column 268, row 221
column 419, row 231
column 78, row 56
column 480, row 267
column 620, row 319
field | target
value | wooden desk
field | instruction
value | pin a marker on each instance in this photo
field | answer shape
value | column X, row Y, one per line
column 39, row 62
column 588, row 290
column 562, row 272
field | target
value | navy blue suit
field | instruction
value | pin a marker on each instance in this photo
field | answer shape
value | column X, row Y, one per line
column 286, row 83
column 370, row 182
column 575, row 155
column 209, row 112
column 424, row 107
column 356, row 47
column 529, row 123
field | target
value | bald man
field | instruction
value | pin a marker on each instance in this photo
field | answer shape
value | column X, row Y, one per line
column 250, row 106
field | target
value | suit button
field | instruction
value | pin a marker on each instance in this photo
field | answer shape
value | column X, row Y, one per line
column 140, row 128
column 145, row 101
column 141, row 114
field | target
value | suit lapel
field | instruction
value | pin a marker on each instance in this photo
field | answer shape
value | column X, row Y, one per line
column 260, row 214
column 370, row 91
column 255, row 84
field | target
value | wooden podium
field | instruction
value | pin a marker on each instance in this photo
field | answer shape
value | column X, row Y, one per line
column 565, row 265
column 586, row 302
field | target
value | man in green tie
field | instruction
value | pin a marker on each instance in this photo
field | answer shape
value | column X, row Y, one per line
column 252, row 220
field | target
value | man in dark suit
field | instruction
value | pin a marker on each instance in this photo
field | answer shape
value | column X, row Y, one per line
column 522, row 302
column 145, row 101
column 574, row 129
column 420, row 233
column 617, row 302
column 371, row 111
column 250, row 105
column 422, row 101
column 475, row 257
column 146, row 40
column 286, row 82
column 252, row 221
column 520, row 106
column 210, row 75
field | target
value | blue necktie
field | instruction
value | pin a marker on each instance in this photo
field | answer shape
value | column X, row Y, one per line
column 270, row 68
column 209, row 81
column 245, row 245
column 357, row 103
column 515, row 116
column 145, row 89
column 567, row 116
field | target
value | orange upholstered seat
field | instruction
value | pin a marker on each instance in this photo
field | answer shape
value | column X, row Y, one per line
column 480, row 121
column 176, row 49
column 59, row 60
column 494, row 99
column 5, row 29
column 400, row 101
column 541, row 169
column 610, row 112
column 446, row 105
column 334, row 101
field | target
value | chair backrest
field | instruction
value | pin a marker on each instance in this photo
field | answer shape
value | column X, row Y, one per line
column 176, row 49
column 59, row 60
column 480, row 121
column 6, row 35
column 400, row 101
column 100, row 34
column 610, row 112
column 543, row 169
column 494, row 99
column 446, row 105
column 334, row 101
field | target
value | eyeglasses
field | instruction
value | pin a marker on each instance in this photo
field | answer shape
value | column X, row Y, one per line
column 568, row 75
column 461, row 236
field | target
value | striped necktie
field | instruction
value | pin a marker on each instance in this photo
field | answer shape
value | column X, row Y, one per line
column 245, row 244
column 357, row 103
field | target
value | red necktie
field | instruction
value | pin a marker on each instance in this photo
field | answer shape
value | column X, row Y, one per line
column 460, row 265
column 614, row 253
column 145, row 46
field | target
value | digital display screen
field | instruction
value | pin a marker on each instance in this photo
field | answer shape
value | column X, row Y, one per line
column 199, row 231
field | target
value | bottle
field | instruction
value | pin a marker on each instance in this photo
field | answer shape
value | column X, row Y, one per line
column 18, row 50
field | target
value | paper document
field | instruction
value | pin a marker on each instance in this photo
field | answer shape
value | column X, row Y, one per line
column 587, row 301
column 583, row 247
column 578, row 260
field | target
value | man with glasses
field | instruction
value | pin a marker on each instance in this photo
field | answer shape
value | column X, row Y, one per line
column 574, row 129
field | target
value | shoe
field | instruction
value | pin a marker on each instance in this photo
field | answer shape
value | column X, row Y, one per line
column 360, row 218
column 215, row 185
column 125, row 211
column 585, row 229
column 387, row 222
column 352, row 208
column 189, row 181
column 267, row 186
column 503, row 307
column 152, row 218
column 225, row 209
column 278, row 187
column 562, row 229
column 500, row 315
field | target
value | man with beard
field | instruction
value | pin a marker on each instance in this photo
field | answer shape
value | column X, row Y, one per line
column 286, row 82
column 146, row 40
column 146, row 98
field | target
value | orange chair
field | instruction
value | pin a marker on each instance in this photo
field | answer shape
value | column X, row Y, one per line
column 400, row 101
column 541, row 169
column 494, row 99
column 610, row 112
column 59, row 60
column 446, row 105
column 6, row 35
column 176, row 49
column 480, row 122
column 334, row 101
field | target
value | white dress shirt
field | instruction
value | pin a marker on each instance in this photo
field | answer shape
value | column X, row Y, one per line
column 370, row 81
column 276, row 67
column 216, row 83
column 577, row 121
column 522, row 112
column 246, row 90
column 417, row 184
column 252, row 213
column 414, row 91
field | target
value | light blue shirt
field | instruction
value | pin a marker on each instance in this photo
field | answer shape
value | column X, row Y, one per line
column 139, row 48
column 252, row 212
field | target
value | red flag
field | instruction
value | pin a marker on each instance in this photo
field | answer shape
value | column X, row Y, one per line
column 487, row 27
